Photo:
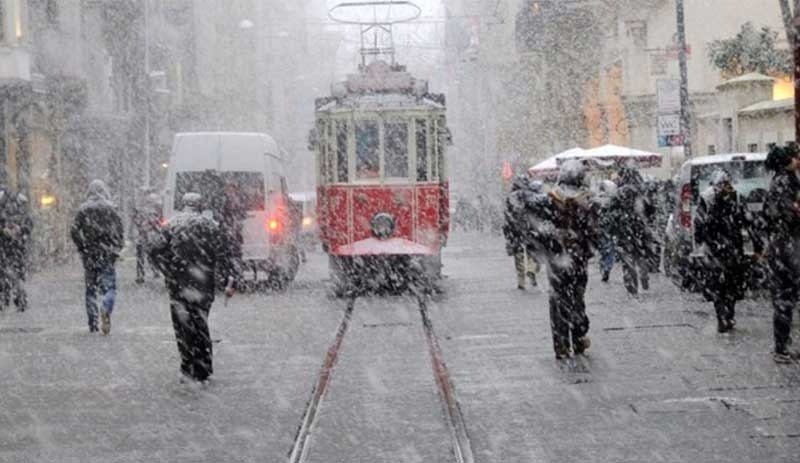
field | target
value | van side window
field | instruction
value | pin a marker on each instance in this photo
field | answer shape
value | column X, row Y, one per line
column 342, row 173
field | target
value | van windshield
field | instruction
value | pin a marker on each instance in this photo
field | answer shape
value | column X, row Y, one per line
column 750, row 178
column 222, row 190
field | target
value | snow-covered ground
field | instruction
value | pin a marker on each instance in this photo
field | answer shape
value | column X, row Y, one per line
column 658, row 384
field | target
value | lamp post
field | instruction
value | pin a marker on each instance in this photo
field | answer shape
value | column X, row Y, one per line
column 147, row 93
column 686, row 129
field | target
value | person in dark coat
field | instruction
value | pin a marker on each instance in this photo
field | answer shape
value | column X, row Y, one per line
column 631, row 211
column 719, row 224
column 98, row 234
column 191, row 254
column 608, row 247
column 572, row 220
column 16, row 227
column 782, row 216
column 514, row 230
column 147, row 218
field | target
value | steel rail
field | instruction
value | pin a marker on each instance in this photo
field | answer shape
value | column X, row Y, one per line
column 304, row 432
column 462, row 448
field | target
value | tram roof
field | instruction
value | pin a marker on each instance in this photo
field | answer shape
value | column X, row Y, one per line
column 381, row 102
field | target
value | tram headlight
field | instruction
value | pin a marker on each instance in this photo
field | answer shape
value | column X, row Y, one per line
column 383, row 226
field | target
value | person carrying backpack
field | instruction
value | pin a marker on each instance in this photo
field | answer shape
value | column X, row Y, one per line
column 191, row 254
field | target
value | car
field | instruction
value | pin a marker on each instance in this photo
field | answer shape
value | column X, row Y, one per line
column 242, row 174
column 684, row 260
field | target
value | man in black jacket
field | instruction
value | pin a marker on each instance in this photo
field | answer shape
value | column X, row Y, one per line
column 16, row 227
column 782, row 214
column 514, row 230
column 719, row 225
column 191, row 254
column 575, row 236
column 97, row 233
column 631, row 211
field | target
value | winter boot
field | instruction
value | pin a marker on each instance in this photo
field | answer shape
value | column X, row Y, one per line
column 105, row 323
column 561, row 353
column 645, row 283
column 606, row 275
column 521, row 282
column 581, row 344
column 782, row 358
column 723, row 326
column 532, row 278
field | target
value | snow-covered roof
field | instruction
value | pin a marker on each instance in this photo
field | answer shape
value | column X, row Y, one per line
column 381, row 101
column 723, row 158
column 769, row 105
column 747, row 79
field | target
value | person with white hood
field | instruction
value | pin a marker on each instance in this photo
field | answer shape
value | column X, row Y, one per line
column 98, row 234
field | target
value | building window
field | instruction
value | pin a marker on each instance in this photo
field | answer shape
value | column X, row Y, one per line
column 637, row 31
column 712, row 149
column 752, row 148
column 2, row 21
column 51, row 12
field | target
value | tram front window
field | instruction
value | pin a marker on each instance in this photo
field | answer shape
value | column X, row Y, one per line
column 396, row 162
column 367, row 150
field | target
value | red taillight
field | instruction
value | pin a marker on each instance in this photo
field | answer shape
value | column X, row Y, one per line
column 273, row 225
column 686, row 206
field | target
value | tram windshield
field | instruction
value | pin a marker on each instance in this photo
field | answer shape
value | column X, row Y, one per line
column 396, row 162
column 367, row 150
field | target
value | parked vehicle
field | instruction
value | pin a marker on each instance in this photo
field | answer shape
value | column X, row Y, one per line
column 239, row 174
column 683, row 259
column 306, row 217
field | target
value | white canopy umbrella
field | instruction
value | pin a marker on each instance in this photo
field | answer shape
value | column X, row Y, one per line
column 614, row 155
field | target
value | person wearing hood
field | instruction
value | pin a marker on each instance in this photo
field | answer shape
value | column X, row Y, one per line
column 630, row 212
column 191, row 254
column 16, row 227
column 608, row 248
column 575, row 236
column 515, row 231
column 98, row 234
column 720, row 223
column 782, row 216
column 147, row 217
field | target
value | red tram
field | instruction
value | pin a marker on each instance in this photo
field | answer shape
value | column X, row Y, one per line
column 382, row 188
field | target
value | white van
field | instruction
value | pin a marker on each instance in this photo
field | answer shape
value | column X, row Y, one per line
column 244, row 171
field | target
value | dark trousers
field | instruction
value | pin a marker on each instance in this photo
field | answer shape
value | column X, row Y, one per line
column 724, row 289
column 141, row 260
column 634, row 269
column 101, row 279
column 12, row 280
column 567, row 306
column 785, row 293
column 190, row 321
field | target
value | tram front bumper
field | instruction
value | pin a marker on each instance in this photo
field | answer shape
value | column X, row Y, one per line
column 391, row 246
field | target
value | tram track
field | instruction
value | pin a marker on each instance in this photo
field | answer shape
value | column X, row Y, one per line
column 455, row 423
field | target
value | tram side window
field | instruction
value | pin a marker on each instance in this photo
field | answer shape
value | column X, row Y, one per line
column 367, row 150
column 323, row 151
column 396, row 162
column 422, row 150
column 341, row 152
column 441, row 140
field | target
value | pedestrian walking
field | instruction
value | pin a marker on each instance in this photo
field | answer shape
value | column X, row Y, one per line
column 608, row 247
column 16, row 227
column 147, row 218
column 515, row 231
column 192, row 255
column 720, row 225
column 569, row 246
column 98, row 234
column 782, row 216
column 630, row 210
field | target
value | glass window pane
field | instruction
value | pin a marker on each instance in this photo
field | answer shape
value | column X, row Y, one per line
column 396, row 162
column 322, row 146
column 422, row 150
column 367, row 150
column 330, row 160
column 341, row 152
column 441, row 139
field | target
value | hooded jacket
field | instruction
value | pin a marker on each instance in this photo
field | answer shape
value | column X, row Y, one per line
column 97, row 229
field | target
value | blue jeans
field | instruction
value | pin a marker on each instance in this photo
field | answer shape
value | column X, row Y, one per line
column 101, row 278
column 608, row 250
